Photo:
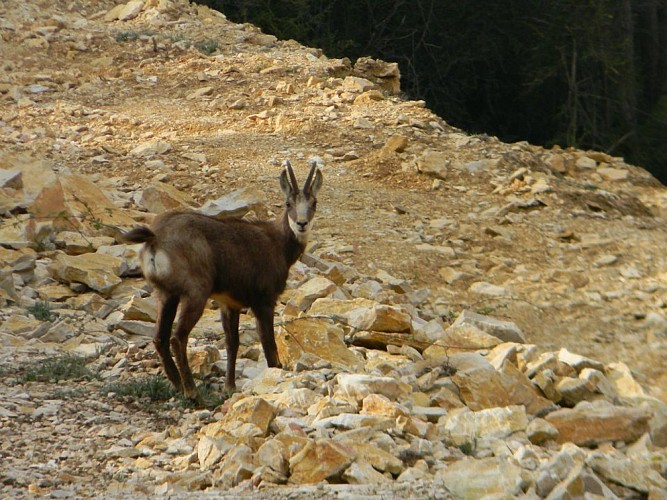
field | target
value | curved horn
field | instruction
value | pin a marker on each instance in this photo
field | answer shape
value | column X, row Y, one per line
column 309, row 179
column 295, row 184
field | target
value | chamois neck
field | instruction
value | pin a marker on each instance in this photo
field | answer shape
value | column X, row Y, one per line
column 293, row 246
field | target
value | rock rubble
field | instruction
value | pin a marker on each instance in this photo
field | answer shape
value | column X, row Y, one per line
column 418, row 360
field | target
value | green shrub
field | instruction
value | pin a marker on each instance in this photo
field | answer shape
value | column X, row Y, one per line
column 155, row 388
column 132, row 35
column 207, row 47
column 41, row 310
column 63, row 367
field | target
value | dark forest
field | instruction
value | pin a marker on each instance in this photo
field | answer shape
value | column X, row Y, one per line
column 583, row 73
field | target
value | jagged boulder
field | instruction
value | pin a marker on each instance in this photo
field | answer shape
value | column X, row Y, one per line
column 97, row 271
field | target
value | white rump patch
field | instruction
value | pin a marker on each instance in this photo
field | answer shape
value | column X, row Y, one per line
column 156, row 264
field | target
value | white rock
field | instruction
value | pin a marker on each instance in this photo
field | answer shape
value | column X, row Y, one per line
column 483, row 288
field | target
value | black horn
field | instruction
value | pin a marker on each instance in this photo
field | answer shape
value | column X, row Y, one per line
column 292, row 177
column 309, row 179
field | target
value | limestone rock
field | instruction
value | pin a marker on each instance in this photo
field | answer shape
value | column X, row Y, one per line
column 480, row 385
column 386, row 74
column 632, row 473
column 237, row 466
column 485, row 426
column 396, row 143
column 131, row 10
column 151, row 148
column 380, row 459
column 129, row 256
column 486, row 478
column 76, row 201
column 355, row 387
column 317, row 337
column 254, row 410
column 613, row 174
column 376, row 404
column 484, row 288
column 133, row 327
column 160, row 197
column 574, row 390
column 313, row 289
column 201, row 360
column 434, row 163
column 19, row 261
column 112, row 15
column 319, row 460
column 361, row 472
column 75, row 243
column 11, row 178
column 594, row 423
column 558, row 468
column 572, row 486
column 458, row 338
column 272, row 454
column 138, row 308
column 97, row 271
column 621, row 377
column 380, row 318
column 539, row 431
column 363, row 314
column 211, row 450
column 504, row 330
column 357, row 84
column 235, row 204
column 350, row 421
column 577, row 361
column 521, row 391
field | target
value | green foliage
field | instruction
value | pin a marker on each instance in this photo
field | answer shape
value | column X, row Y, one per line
column 486, row 310
column 133, row 35
column 207, row 47
column 63, row 367
column 68, row 393
column 470, row 447
column 41, row 310
column 155, row 388
column 210, row 394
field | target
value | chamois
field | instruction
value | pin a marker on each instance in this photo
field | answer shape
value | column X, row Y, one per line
column 189, row 257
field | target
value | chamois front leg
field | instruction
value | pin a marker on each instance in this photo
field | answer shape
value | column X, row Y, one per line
column 230, row 325
column 191, row 311
column 167, row 307
column 264, row 317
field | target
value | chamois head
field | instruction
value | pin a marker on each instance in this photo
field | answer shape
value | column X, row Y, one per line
column 300, row 204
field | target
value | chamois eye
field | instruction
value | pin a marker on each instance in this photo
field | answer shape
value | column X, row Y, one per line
column 288, row 204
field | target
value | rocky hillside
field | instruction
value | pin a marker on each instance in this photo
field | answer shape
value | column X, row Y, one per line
column 471, row 318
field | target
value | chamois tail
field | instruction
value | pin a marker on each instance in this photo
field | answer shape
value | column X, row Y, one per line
column 139, row 235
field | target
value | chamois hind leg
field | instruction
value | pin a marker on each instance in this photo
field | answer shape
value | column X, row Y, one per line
column 264, row 317
column 230, row 324
column 167, row 307
column 191, row 311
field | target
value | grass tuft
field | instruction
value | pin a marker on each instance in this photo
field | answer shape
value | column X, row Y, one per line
column 207, row 47
column 64, row 367
column 41, row 310
column 155, row 388
column 210, row 395
column 132, row 35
